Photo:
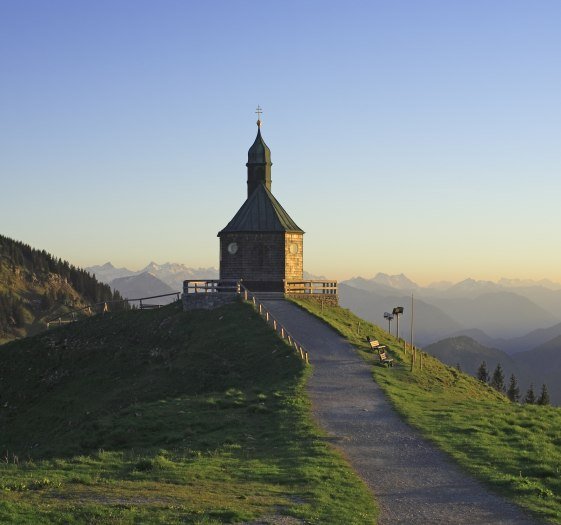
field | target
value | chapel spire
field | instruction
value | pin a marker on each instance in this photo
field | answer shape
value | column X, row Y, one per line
column 258, row 161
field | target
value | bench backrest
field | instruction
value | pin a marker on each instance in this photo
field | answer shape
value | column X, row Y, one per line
column 374, row 343
column 383, row 356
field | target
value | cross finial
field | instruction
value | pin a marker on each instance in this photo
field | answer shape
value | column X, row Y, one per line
column 258, row 111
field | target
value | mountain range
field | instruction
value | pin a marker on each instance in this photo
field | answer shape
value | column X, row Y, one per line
column 153, row 279
column 501, row 314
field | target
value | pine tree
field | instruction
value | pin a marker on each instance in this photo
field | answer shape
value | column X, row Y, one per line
column 530, row 398
column 482, row 373
column 544, row 396
column 498, row 380
column 513, row 391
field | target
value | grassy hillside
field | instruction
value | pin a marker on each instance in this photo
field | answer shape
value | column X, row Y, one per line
column 515, row 449
column 169, row 417
column 35, row 287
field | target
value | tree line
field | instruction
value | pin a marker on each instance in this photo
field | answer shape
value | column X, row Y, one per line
column 19, row 255
column 497, row 381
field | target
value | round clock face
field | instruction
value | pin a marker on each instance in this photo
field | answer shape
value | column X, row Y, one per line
column 232, row 248
column 293, row 248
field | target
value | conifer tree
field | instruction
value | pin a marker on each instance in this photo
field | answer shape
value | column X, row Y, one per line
column 498, row 379
column 530, row 398
column 544, row 396
column 513, row 391
column 482, row 373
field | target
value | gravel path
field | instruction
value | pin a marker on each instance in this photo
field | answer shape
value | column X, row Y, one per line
column 413, row 481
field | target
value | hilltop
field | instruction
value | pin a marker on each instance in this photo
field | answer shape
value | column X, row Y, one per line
column 165, row 416
column 36, row 286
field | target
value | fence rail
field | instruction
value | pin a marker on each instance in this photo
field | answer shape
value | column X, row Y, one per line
column 315, row 286
column 103, row 306
column 271, row 321
column 210, row 286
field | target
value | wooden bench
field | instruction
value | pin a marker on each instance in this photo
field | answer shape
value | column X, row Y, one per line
column 375, row 345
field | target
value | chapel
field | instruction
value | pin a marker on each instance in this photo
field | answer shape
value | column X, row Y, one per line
column 261, row 245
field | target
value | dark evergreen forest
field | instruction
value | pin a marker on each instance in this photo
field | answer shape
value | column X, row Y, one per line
column 37, row 265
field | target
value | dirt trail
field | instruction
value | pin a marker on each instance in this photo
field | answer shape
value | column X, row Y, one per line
column 414, row 482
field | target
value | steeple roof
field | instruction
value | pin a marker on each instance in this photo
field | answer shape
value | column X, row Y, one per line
column 259, row 153
column 261, row 212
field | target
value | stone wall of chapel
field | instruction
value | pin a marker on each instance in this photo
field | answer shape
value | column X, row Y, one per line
column 294, row 256
column 259, row 256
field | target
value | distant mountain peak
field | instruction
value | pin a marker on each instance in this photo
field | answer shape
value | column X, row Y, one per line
column 399, row 281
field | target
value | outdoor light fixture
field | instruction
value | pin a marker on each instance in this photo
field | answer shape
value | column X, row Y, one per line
column 397, row 311
column 389, row 317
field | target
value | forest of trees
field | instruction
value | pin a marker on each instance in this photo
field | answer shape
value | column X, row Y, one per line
column 497, row 381
column 17, row 255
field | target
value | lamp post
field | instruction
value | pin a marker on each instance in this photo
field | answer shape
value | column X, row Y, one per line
column 389, row 317
column 397, row 311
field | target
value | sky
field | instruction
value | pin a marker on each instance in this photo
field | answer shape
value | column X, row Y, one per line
column 407, row 136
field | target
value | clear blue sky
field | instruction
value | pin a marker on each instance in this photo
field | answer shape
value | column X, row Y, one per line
column 407, row 136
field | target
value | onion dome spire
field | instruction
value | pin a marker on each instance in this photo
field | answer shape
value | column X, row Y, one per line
column 258, row 161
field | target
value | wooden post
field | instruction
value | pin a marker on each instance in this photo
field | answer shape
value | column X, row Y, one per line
column 260, row 309
column 290, row 340
column 267, row 316
column 301, row 353
column 358, row 328
column 275, row 324
column 59, row 321
column 282, row 332
column 421, row 360
column 307, row 359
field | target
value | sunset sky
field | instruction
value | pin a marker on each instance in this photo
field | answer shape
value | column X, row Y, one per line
column 421, row 137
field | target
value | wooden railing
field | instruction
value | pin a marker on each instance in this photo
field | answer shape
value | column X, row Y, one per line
column 316, row 287
column 104, row 306
column 210, row 286
column 276, row 325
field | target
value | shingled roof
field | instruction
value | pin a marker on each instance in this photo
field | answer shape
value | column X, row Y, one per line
column 261, row 212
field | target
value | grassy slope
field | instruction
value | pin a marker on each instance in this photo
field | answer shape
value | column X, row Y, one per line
column 514, row 448
column 165, row 417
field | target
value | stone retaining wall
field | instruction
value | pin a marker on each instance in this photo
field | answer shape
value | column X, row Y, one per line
column 207, row 301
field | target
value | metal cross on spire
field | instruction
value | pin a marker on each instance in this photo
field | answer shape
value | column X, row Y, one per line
column 258, row 111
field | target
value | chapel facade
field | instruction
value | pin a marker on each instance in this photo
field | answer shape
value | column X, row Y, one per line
column 261, row 245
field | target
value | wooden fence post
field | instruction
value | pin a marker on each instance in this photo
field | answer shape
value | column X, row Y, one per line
column 282, row 332
column 307, row 360
column 275, row 324
column 267, row 316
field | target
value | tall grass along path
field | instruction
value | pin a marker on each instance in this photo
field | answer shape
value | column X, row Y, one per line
column 413, row 481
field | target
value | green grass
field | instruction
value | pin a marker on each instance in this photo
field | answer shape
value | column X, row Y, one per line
column 515, row 449
column 169, row 417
